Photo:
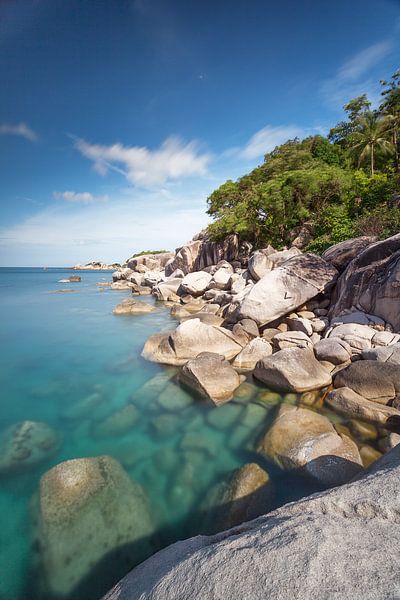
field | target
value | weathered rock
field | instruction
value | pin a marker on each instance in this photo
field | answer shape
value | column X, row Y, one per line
column 173, row 398
column 347, row 402
column 133, row 307
column 195, row 283
column 371, row 282
column 389, row 354
column 222, row 277
column 255, row 350
column 291, row 339
column 212, row 376
column 166, row 290
column 292, row 370
column 300, row 324
column 285, row 288
column 335, row 351
column 252, row 561
column 150, row 261
column 379, row 382
column 359, row 337
column 249, row 494
column 259, row 264
column 118, row 423
column 342, row 253
column 188, row 340
column 90, row 510
column 122, row 285
column 25, row 445
column 302, row 439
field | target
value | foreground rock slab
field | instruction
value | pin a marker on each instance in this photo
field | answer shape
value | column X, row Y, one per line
column 89, row 509
column 302, row 439
column 287, row 287
column 343, row 541
column 292, row 370
column 212, row 376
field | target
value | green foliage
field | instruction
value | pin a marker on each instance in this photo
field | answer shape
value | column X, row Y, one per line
column 342, row 185
column 149, row 252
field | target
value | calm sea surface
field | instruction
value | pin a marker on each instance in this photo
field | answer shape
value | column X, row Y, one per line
column 59, row 348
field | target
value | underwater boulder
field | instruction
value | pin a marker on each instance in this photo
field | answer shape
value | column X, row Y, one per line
column 25, row 445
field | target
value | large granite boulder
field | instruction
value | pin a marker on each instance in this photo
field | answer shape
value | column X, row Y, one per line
column 25, row 445
column 292, row 370
column 133, row 307
column 188, row 340
column 376, row 381
column 254, row 351
column 212, row 376
column 167, row 290
column 335, row 351
column 389, row 354
column 338, row 544
column 93, row 522
column 342, row 253
column 259, row 263
column 152, row 262
column 195, row 283
column 350, row 404
column 371, row 283
column 287, row 287
column 302, row 439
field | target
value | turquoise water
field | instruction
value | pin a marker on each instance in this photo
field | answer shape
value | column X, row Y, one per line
column 57, row 349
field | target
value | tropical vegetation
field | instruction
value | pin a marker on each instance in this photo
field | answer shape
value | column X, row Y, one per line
column 337, row 186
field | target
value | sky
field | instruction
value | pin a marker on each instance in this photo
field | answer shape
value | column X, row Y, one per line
column 118, row 118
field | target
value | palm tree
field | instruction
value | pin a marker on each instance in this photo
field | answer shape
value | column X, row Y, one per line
column 371, row 136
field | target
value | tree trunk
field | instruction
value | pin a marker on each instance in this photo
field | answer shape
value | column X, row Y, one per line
column 372, row 160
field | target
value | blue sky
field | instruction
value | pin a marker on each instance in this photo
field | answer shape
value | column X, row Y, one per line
column 118, row 118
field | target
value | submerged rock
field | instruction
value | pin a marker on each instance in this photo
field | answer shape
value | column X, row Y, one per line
column 302, row 439
column 133, row 307
column 212, row 376
column 90, row 512
column 25, row 445
column 292, row 370
column 118, row 423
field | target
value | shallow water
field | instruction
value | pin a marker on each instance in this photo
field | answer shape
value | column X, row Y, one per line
column 58, row 349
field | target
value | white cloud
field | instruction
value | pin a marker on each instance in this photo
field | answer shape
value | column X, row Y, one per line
column 63, row 234
column 147, row 168
column 21, row 129
column 79, row 197
column 354, row 78
column 268, row 138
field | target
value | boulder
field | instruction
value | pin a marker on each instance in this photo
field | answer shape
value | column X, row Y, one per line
column 338, row 544
column 300, row 324
column 122, row 285
column 133, row 307
column 347, row 402
column 342, row 253
column 255, row 350
column 188, row 340
column 291, row 339
column 195, row 283
column 119, row 422
column 90, row 514
column 292, row 370
column 371, row 282
column 25, row 445
column 302, row 439
column 152, row 262
column 222, row 277
column 212, row 376
column 335, row 351
column 287, row 287
column 358, row 337
column 376, row 381
column 259, row 263
column 389, row 354
column 184, row 258
column 249, row 494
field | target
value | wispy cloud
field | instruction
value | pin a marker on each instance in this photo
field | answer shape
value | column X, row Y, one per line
column 144, row 167
column 354, row 77
column 79, row 197
column 267, row 138
column 20, row 129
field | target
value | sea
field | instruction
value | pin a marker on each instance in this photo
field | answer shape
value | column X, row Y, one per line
column 60, row 348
